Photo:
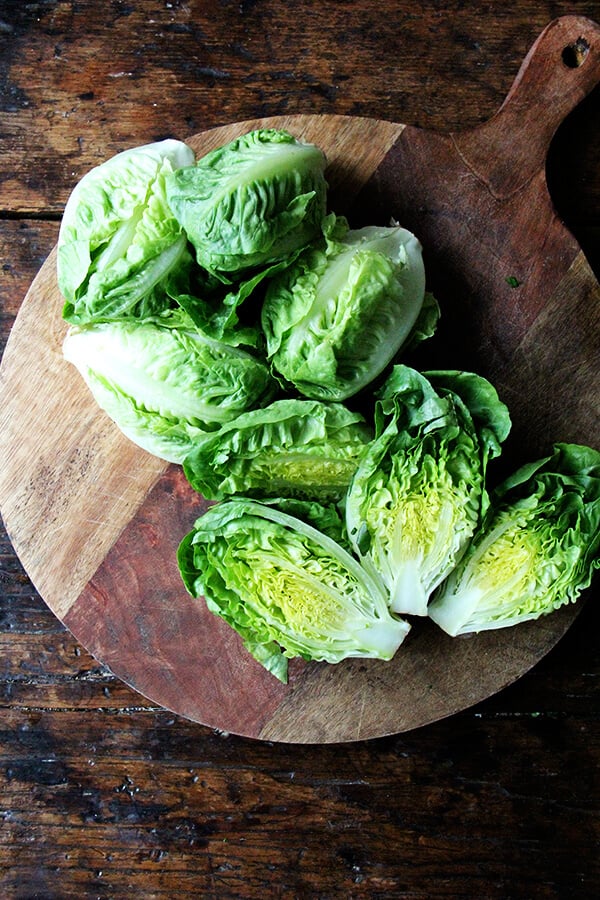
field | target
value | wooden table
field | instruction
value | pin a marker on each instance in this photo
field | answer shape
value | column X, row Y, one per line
column 104, row 795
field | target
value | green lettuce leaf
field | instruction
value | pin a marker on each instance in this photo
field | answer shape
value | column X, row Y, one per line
column 300, row 448
column 119, row 243
column 335, row 318
column 250, row 203
column 419, row 491
column 327, row 517
column 536, row 550
column 215, row 308
column 165, row 384
column 287, row 589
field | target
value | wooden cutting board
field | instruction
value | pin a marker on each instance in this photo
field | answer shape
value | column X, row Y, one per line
column 96, row 521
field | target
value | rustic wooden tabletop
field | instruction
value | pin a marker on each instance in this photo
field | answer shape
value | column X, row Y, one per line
column 102, row 794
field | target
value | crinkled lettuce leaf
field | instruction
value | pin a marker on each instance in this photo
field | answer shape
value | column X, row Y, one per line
column 297, row 448
column 250, row 203
column 327, row 517
column 164, row 383
column 119, row 243
column 288, row 589
column 335, row 318
column 214, row 306
column 536, row 550
column 419, row 491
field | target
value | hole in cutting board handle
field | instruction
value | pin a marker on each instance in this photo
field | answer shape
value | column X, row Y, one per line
column 574, row 55
column 560, row 69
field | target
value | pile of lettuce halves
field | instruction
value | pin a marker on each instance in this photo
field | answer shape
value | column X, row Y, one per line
column 227, row 321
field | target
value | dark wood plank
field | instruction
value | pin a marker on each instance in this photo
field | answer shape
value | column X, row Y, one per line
column 187, row 811
column 176, row 69
column 24, row 246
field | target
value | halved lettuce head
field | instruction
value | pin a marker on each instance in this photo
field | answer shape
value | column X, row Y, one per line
column 250, row 203
column 335, row 318
column 419, row 491
column 536, row 550
column 288, row 589
column 119, row 243
column 295, row 448
column 165, row 385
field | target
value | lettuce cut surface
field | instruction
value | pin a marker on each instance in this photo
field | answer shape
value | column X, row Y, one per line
column 536, row 550
column 419, row 491
column 295, row 448
column 288, row 589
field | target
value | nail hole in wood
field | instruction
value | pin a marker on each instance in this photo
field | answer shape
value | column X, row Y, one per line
column 574, row 54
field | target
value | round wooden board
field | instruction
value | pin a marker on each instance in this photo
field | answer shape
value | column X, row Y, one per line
column 97, row 521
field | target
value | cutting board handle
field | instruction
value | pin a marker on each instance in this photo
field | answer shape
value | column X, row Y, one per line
column 561, row 68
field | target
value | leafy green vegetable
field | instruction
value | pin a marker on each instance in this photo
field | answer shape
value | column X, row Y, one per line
column 335, row 318
column 536, row 549
column 119, row 243
column 251, row 203
column 419, row 491
column 425, row 326
column 215, row 311
column 166, row 384
column 327, row 518
column 287, row 589
column 301, row 448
